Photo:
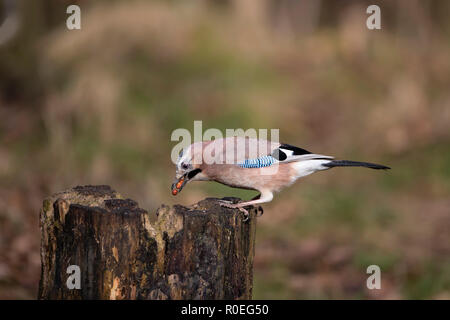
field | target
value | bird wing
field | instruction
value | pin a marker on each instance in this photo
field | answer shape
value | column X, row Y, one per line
column 288, row 153
column 235, row 150
column 284, row 153
column 256, row 153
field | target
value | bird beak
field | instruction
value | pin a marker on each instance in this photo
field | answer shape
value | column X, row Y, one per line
column 178, row 184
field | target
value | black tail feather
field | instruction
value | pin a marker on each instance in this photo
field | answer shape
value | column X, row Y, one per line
column 348, row 163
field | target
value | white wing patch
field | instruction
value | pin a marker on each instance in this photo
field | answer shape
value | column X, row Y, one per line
column 305, row 168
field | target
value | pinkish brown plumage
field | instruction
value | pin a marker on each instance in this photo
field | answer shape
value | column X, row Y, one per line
column 254, row 164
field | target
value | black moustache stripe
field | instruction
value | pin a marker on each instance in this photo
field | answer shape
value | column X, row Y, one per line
column 193, row 173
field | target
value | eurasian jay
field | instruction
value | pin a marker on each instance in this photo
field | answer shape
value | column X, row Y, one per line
column 254, row 164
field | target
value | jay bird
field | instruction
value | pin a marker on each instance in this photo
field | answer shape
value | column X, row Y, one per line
column 254, row 164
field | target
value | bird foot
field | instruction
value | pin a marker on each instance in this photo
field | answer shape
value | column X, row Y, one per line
column 229, row 204
column 260, row 211
column 245, row 213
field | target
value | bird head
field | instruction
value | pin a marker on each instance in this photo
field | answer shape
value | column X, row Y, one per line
column 186, row 170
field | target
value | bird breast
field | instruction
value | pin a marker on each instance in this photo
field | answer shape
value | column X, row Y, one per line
column 272, row 178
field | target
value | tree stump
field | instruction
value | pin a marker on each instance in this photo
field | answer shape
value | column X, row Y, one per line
column 200, row 252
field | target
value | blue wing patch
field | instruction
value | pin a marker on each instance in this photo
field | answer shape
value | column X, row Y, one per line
column 260, row 162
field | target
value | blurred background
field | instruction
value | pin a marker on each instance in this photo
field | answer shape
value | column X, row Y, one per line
column 98, row 106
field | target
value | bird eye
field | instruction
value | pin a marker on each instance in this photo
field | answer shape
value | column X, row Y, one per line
column 184, row 166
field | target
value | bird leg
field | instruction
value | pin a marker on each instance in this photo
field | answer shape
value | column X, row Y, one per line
column 229, row 204
column 263, row 198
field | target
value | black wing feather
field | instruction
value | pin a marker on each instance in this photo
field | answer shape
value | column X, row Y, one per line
column 296, row 150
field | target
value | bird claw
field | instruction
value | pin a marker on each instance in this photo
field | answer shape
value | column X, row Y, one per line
column 229, row 204
column 245, row 213
column 259, row 212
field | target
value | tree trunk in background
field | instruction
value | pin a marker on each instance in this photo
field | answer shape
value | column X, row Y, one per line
column 201, row 252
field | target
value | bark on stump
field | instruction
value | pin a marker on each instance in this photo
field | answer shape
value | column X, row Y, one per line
column 200, row 252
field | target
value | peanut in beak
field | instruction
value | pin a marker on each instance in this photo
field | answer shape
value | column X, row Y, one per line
column 178, row 186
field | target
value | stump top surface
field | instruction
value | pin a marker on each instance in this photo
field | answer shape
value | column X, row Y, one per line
column 91, row 196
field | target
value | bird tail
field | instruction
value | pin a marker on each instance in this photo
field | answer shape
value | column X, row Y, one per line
column 348, row 163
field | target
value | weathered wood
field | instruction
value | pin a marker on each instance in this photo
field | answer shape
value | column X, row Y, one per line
column 200, row 252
